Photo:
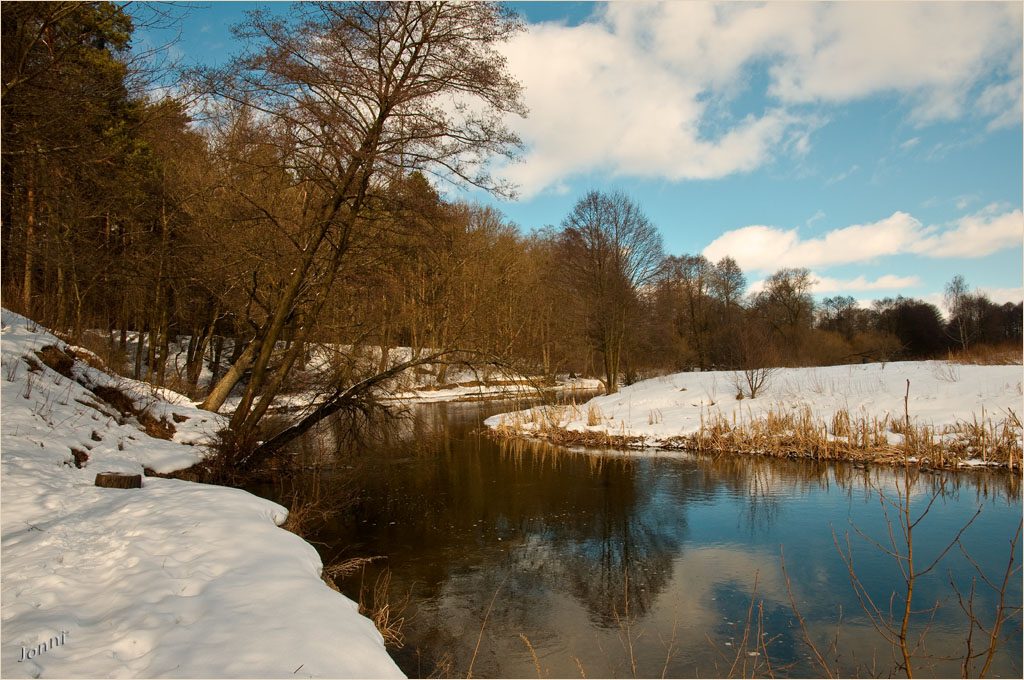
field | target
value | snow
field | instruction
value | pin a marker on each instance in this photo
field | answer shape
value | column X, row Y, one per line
column 419, row 385
column 473, row 390
column 174, row 579
column 662, row 408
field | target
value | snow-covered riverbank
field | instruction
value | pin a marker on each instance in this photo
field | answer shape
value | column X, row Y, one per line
column 174, row 579
column 665, row 411
column 476, row 390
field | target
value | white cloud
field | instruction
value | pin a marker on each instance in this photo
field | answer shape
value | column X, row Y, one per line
column 645, row 89
column 965, row 200
column 766, row 248
column 1002, row 100
column 599, row 102
column 1003, row 295
column 934, row 52
column 762, row 248
column 826, row 284
column 995, row 295
column 937, row 299
column 843, row 175
column 975, row 235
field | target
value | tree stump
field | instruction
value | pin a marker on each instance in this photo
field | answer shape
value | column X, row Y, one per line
column 118, row 480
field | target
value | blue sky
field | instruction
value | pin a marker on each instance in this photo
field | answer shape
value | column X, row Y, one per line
column 877, row 144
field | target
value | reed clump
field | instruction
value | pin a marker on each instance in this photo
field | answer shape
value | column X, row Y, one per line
column 387, row 614
column 548, row 423
column 798, row 433
column 793, row 434
column 1007, row 354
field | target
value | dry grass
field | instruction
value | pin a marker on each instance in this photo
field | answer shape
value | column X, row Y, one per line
column 546, row 423
column 80, row 457
column 1009, row 354
column 63, row 362
column 533, row 654
column 350, row 566
column 387, row 614
column 799, row 434
column 124, row 403
column 865, row 439
column 375, row 603
column 57, row 359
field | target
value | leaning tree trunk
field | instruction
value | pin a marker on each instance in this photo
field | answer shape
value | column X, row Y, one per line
column 357, row 176
column 340, row 399
column 223, row 387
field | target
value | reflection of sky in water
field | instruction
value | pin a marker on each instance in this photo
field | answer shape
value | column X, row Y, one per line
column 460, row 517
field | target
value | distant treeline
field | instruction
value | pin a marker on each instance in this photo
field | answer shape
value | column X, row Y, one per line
column 302, row 209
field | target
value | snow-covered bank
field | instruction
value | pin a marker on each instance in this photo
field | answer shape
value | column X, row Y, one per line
column 476, row 390
column 174, row 579
column 661, row 411
column 415, row 386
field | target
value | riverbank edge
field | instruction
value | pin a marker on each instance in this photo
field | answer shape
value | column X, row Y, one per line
column 793, row 447
column 32, row 383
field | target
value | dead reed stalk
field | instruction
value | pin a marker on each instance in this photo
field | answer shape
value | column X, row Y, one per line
column 483, row 625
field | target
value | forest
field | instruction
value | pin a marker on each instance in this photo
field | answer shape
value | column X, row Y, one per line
column 302, row 196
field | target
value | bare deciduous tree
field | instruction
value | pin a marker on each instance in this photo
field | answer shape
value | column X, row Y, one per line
column 350, row 95
column 786, row 304
column 610, row 251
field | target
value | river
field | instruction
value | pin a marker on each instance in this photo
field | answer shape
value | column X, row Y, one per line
column 523, row 559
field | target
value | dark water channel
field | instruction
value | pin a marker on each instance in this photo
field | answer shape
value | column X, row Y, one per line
column 552, row 536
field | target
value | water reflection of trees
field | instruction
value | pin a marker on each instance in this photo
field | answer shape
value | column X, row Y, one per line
column 610, row 526
column 457, row 513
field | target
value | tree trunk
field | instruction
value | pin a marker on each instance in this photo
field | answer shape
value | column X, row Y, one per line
column 124, row 321
column 385, row 346
column 244, row 420
column 610, row 373
column 274, row 386
column 138, row 355
column 153, row 329
column 194, row 365
column 118, row 480
column 223, row 387
column 30, row 238
column 79, row 302
column 217, row 352
column 164, row 336
column 60, row 320
column 190, row 351
column 286, row 307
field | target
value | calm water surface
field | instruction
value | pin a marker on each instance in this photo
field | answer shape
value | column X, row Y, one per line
column 559, row 540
